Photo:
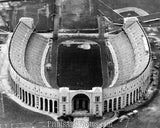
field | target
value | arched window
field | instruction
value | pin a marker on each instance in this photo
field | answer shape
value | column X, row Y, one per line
column 29, row 99
column 23, row 95
column 55, row 106
column 41, row 103
column 110, row 105
column 134, row 96
column 20, row 93
column 127, row 100
column 50, row 106
column 115, row 103
column 105, row 106
column 131, row 98
column 16, row 89
column 119, row 103
column 137, row 94
column 33, row 101
column 46, row 105
column 140, row 92
column 26, row 97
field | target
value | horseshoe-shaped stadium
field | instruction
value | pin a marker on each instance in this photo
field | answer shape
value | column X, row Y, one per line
column 80, row 71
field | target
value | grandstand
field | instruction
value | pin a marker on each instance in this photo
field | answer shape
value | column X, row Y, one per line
column 17, row 49
column 33, row 56
column 140, row 46
column 82, row 57
column 125, row 57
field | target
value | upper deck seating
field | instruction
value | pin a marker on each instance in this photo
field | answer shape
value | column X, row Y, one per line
column 125, row 57
column 25, row 53
column 33, row 56
column 140, row 46
column 17, row 48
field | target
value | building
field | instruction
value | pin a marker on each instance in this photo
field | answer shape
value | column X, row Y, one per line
column 79, row 72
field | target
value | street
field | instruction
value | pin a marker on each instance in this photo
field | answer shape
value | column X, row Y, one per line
column 148, row 116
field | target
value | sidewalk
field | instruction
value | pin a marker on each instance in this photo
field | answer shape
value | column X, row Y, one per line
column 107, row 122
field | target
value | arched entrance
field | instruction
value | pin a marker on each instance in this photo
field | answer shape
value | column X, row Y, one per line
column 80, row 102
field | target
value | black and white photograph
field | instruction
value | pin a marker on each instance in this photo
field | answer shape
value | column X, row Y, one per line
column 79, row 63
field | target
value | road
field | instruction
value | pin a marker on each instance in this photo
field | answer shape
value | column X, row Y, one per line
column 148, row 116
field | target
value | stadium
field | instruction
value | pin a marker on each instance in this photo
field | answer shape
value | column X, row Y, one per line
column 89, row 72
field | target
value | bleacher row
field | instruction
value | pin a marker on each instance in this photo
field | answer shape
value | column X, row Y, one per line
column 132, row 52
column 136, row 36
column 33, row 56
column 125, row 57
column 17, row 49
column 26, row 49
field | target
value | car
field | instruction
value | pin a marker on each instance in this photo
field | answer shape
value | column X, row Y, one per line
column 154, row 57
column 152, row 34
column 135, row 111
column 130, row 114
column 157, row 66
column 123, row 117
column 155, row 73
column 157, row 44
